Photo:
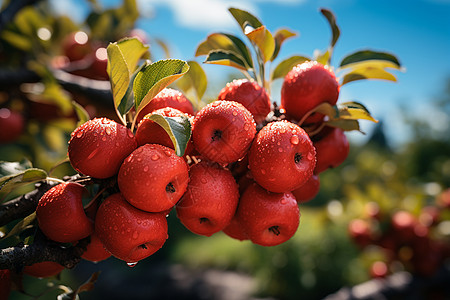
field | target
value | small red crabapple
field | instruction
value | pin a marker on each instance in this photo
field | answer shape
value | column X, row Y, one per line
column 223, row 131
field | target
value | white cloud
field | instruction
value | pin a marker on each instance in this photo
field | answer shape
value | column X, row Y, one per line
column 208, row 14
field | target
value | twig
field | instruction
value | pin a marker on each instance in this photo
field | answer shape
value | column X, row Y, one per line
column 42, row 249
column 24, row 205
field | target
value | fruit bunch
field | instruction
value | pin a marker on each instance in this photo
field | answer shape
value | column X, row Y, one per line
column 240, row 165
column 412, row 241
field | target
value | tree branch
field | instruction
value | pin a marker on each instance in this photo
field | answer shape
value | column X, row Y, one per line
column 42, row 249
column 24, row 205
column 100, row 90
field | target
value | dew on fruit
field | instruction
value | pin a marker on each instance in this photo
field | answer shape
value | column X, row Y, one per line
column 135, row 234
column 117, row 144
column 139, row 159
column 168, row 153
column 131, row 265
column 294, row 140
column 130, row 135
column 146, row 169
column 280, row 149
column 283, row 201
column 155, row 157
column 263, row 171
column 235, row 113
column 104, row 138
column 204, row 181
column 310, row 156
column 108, row 130
column 79, row 134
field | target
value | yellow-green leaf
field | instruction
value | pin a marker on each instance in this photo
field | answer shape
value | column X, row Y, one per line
column 364, row 55
column 372, row 63
column 228, row 43
column 286, row 65
column 367, row 73
column 344, row 124
column 195, row 79
column 244, row 18
column 354, row 111
column 263, row 39
column 154, row 77
column 119, row 74
column 280, row 36
column 82, row 114
column 178, row 129
column 132, row 50
column 335, row 31
column 224, row 58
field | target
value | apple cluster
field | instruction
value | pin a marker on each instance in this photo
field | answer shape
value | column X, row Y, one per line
column 244, row 170
column 411, row 239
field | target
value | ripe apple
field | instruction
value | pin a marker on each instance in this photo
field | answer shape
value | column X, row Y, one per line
column 60, row 213
column 282, row 157
column 222, row 131
column 210, row 200
column 268, row 219
column 128, row 233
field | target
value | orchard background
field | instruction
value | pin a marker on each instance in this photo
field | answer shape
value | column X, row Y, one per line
column 345, row 244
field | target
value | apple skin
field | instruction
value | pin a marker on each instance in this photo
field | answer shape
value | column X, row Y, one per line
column 306, row 86
column 282, row 157
column 153, row 178
column 210, row 200
column 43, row 269
column 332, row 149
column 98, row 147
column 269, row 219
column 223, row 131
column 128, row 233
column 249, row 94
column 235, row 230
column 167, row 97
column 308, row 190
column 12, row 124
column 60, row 213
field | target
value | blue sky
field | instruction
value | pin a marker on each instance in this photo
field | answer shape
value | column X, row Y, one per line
column 417, row 31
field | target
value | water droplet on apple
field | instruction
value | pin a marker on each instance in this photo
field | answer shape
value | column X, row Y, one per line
column 263, row 171
column 104, row 138
column 146, row 169
column 135, row 234
column 235, row 113
column 155, row 157
column 131, row 265
column 108, row 130
column 130, row 135
column 310, row 156
column 294, row 140
column 79, row 134
column 280, row 149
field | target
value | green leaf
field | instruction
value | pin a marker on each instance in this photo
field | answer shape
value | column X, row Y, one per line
column 123, row 57
column 334, row 28
column 344, row 124
column 354, row 111
column 154, row 77
column 228, row 43
column 245, row 19
column 371, row 63
column 82, row 114
column 127, row 102
column 286, row 65
column 178, row 129
column 367, row 73
column 195, row 79
column 280, row 36
column 327, row 109
column 263, row 39
column 16, row 174
column 21, row 226
column 225, row 58
column 323, row 57
column 365, row 55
